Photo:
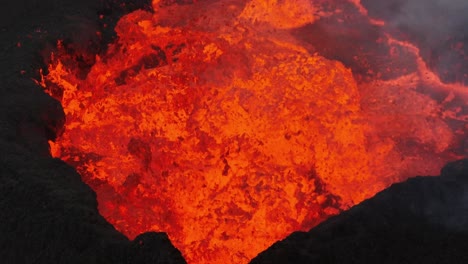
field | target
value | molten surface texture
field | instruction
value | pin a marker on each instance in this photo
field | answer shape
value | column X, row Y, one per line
column 212, row 123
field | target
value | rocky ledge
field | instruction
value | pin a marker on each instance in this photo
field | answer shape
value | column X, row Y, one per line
column 421, row 220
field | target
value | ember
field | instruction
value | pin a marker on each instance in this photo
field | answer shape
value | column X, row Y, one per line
column 211, row 122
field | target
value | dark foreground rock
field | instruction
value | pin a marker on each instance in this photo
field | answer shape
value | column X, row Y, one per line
column 422, row 220
column 48, row 215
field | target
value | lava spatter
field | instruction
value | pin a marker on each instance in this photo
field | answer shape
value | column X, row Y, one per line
column 219, row 128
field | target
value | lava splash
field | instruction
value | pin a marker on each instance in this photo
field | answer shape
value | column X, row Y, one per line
column 212, row 123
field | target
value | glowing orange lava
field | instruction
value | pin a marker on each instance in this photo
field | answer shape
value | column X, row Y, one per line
column 219, row 128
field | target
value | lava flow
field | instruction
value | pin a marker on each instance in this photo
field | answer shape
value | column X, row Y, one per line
column 212, row 123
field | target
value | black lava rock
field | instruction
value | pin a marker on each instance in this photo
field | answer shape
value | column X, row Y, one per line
column 422, row 220
column 47, row 214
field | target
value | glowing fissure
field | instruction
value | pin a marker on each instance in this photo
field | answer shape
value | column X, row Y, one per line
column 227, row 134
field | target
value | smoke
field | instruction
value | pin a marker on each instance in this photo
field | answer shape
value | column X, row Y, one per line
column 435, row 19
column 429, row 16
column 438, row 27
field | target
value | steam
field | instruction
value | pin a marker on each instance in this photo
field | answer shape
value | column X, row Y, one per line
column 436, row 19
column 437, row 26
column 440, row 29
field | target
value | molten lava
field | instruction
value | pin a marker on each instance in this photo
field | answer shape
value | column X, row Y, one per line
column 213, row 124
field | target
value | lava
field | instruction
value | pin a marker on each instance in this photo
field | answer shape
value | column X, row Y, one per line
column 212, row 123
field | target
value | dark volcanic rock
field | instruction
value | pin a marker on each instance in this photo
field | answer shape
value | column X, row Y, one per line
column 30, row 117
column 437, row 27
column 48, row 215
column 422, row 220
column 348, row 37
column 152, row 247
